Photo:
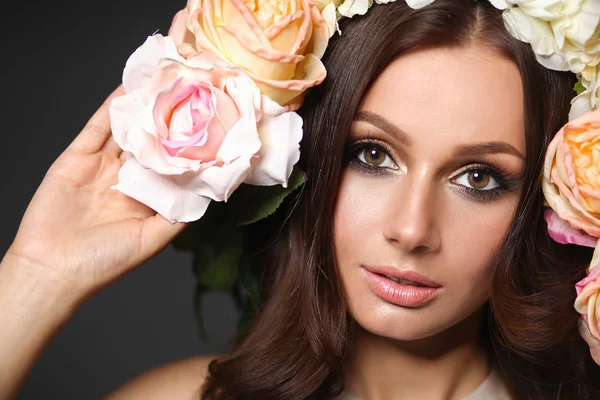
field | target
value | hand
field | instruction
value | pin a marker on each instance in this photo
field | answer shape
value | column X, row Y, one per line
column 77, row 234
column 590, row 340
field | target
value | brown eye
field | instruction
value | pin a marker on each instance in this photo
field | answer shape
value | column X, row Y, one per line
column 374, row 156
column 478, row 180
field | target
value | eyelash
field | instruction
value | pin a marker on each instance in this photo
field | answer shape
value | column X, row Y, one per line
column 505, row 183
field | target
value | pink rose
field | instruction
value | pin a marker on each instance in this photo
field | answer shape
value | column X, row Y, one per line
column 571, row 180
column 571, row 185
column 587, row 302
column 278, row 43
column 195, row 130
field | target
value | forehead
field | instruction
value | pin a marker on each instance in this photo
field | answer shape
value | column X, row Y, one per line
column 448, row 96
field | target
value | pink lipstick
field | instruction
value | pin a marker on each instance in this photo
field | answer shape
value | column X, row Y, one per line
column 402, row 288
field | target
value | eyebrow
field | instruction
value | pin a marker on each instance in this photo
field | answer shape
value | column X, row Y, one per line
column 461, row 151
column 383, row 124
column 487, row 148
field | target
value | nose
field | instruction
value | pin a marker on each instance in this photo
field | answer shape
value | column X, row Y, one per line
column 410, row 214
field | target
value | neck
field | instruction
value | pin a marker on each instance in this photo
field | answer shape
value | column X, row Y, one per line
column 447, row 365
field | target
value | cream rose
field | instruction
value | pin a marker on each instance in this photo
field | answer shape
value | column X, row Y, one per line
column 196, row 129
column 564, row 34
column 279, row 43
column 571, row 179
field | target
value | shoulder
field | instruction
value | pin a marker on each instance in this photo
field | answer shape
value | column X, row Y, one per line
column 175, row 380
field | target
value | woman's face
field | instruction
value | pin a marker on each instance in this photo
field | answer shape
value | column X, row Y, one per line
column 435, row 158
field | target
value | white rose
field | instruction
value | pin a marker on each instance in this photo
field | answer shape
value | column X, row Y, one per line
column 589, row 100
column 350, row 8
column 564, row 34
column 416, row 4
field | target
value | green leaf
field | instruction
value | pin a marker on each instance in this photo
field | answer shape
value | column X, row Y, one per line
column 203, row 229
column 252, row 203
column 216, row 260
column 217, row 245
column 579, row 88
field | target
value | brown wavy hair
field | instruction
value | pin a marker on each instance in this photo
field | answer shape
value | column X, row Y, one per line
column 296, row 344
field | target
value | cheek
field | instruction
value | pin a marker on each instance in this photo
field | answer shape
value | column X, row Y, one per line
column 357, row 215
column 472, row 234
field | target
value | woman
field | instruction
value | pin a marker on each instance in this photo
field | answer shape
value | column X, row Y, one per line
column 416, row 262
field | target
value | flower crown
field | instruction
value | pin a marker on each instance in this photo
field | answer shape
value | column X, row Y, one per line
column 209, row 118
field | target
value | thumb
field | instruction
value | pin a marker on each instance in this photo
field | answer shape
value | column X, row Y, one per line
column 158, row 232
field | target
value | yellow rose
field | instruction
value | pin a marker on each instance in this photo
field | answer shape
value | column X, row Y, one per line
column 279, row 43
column 571, row 180
column 587, row 302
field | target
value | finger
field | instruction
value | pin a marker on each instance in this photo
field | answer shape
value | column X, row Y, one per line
column 97, row 130
column 158, row 232
column 111, row 147
column 123, row 157
column 592, row 342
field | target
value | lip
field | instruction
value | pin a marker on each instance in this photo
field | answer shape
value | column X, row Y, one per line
column 401, row 294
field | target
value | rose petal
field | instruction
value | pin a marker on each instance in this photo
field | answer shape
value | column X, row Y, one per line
column 242, row 139
column 554, row 61
column 205, row 39
column 582, row 28
column 121, row 111
column 219, row 182
column 416, row 4
column 330, row 18
column 179, row 31
column 566, row 212
column 589, row 222
column 350, row 8
column 175, row 202
column 580, row 105
column 561, row 232
column 593, row 274
column 322, row 24
column 283, row 91
column 499, row 4
column 280, row 134
column 143, row 62
column 587, row 302
column 151, row 153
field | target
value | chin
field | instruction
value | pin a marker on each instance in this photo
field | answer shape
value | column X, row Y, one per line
column 398, row 323
column 391, row 321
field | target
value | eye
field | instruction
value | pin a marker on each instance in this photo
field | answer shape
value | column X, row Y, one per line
column 375, row 156
column 477, row 179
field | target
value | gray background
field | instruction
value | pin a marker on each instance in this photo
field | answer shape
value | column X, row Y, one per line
column 60, row 59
